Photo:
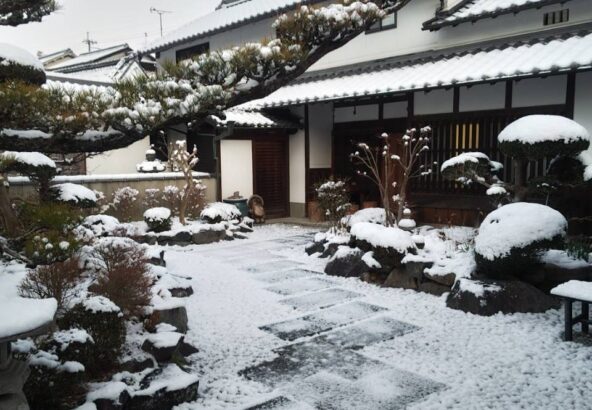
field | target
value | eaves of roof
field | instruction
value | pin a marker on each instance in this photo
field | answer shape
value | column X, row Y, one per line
column 441, row 19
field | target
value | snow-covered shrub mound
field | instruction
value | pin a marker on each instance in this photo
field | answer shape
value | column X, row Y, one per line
column 35, row 165
column 158, row 219
column 219, row 211
column 74, row 194
column 388, row 244
column 538, row 136
column 19, row 64
column 370, row 215
column 510, row 238
column 469, row 165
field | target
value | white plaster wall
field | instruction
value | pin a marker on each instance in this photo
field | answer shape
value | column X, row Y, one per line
column 433, row 102
column 297, row 168
column 320, row 120
column 540, row 91
column 409, row 38
column 583, row 101
column 237, row 167
column 357, row 113
column 395, row 110
column 119, row 161
column 483, row 97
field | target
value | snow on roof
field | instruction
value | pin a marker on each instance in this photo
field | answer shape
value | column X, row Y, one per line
column 99, row 74
column 478, row 65
column 17, row 55
column 540, row 128
column 472, row 10
column 252, row 119
column 225, row 17
column 92, row 57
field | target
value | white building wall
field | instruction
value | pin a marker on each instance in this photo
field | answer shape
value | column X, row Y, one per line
column 320, row 121
column 366, row 112
column 409, row 38
column 236, row 157
column 433, row 102
column 395, row 110
column 540, row 91
column 297, row 169
column 119, row 161
column 483, row 97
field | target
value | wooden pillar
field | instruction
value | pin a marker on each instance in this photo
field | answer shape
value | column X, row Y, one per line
column 585, row 317
column 306, row 159
column 509, row 94
column 568, row 335
column 456, row 100
column 570, row 95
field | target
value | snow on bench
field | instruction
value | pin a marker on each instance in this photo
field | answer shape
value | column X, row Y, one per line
column 579, row 291
column 574, row 289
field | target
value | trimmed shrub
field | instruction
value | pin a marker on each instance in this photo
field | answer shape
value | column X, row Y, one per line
column 57, row 281
column 125, row 203
column 158, row 219
column 123, row 275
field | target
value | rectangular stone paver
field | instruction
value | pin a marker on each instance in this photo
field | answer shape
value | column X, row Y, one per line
column 300, row 285
column 300, row 360
column 281, row 403
column 367, row 332
column 374, row 388
column 273, row 266
column 322, row 299
column 322, row 321
column 280, row 276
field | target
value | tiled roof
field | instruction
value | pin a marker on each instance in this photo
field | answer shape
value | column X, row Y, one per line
column 483, row 63
column 225, row 17
column 99, row 74
column 252, row 119
column 92, row 57
column 473, row 10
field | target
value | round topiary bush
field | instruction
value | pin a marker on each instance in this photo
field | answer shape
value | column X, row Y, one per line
column 73, row 194
column 19, row 64
column 217, row 212
column 511, row 237
column 158, row 219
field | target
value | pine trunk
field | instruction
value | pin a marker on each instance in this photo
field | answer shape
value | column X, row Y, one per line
column 9, row 218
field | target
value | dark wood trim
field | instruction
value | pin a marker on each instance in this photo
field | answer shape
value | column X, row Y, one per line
column 219, row 172
column 381, row 111
column 570, row 97
column 410, row 106
column 456, row 100
column 509, row 94
column 306, row 157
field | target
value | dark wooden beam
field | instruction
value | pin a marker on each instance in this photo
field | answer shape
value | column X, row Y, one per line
column 509, row 94
column 570, row 95
column 306, row 158
column 456, row 100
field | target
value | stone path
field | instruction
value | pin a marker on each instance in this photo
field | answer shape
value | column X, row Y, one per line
column 320, row 367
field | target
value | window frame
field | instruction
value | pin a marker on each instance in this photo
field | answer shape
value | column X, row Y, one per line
column 190, row 52
column 382, row 27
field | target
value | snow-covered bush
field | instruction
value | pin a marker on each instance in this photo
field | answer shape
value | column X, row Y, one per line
column 158, row 219
column 152, row 198
column 124, row 203
column 123, row 274
column 217, row 212
column 18, row 64
column 371, row 215
column 103, row 321
column 171, row 196
column 73, row 194
column 196, row 199
column 511, row 237
column 333, row 198
column 58, row 281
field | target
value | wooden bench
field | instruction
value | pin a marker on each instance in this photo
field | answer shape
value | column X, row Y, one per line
column 570, row 292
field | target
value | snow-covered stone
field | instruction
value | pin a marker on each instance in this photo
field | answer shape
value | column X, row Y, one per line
column 382, row 236
column 371, row 215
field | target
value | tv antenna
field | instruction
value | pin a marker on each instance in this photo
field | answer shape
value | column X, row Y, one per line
column 88, row 41
column 160, row 13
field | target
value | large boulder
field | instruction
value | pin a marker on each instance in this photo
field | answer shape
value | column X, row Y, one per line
column 487, row 297
column 207, row 235
column 163, row 346
column 398, row 278
column 174, row 314
column 388, row 244
column 347, row 262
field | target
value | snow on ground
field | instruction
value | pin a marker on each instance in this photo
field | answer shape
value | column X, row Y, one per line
column 435, row 357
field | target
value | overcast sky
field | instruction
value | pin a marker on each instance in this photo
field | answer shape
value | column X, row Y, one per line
column 109, row 22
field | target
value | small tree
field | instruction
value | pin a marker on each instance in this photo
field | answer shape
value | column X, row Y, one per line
column 184, row 161
column 334, row 201
column 392, row 166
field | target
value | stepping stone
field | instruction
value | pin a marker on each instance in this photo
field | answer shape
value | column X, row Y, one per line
column 374, row 388
column 300, row 285
column 273, row 266
column 368, row 332
column 275, row 277
column 280, row 403
column 322, row 321
column 249, row 259
column 300, row 360
column 322, row 299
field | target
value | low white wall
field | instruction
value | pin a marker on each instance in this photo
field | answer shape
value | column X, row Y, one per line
column 483, row 97
column 119, row 161
column 540, row 91
column 583, row 101
column 236, row 159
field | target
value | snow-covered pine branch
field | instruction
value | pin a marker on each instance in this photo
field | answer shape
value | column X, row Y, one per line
column 71, row 119
column 17, row 12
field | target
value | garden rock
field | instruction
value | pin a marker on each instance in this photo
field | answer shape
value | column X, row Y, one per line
column 433, row 288
column 187, row 349
column 118, row 403
column 181, row 292
column 487, row 297
column 137, row 365
column 157, row 260
column 315, row 247
column 206, row 236
column 163, row 346
column 398, row 278
column 446, row 280
column 176, row 316
column 416, row 269
column 165, row 388
column 346, row 262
